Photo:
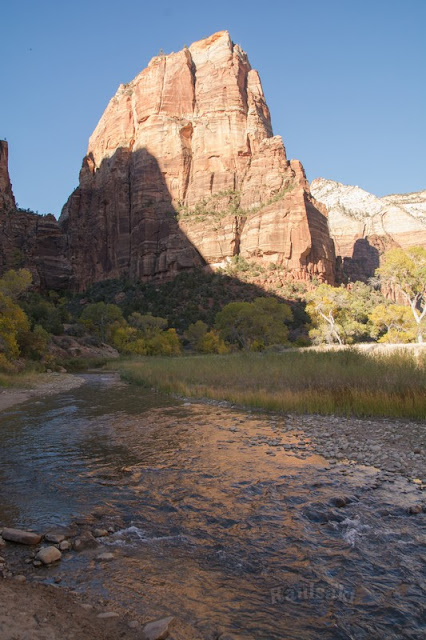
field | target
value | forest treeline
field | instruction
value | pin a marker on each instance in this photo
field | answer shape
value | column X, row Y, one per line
column 212, row 313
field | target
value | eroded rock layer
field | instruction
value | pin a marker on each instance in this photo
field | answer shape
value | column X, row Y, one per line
column 183, row 170
column 364, row 226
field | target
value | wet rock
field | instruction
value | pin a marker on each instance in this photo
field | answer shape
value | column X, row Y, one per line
column 339, row 501
column 64, row 545
column 159, row 629
column 107, row 615
column 315, row 515
column 414, row 509
column 105, row 557
column 85, row 541
column 55, row 538
column 99, row 533
column 48, row 555
column 22, row 537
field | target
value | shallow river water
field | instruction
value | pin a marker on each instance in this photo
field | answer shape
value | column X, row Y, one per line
column 215, row 516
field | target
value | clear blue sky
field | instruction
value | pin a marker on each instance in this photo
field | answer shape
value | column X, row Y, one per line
column 345, row 81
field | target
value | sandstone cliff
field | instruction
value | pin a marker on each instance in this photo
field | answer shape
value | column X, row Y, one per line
column 183, row 170
column 364, row 226
column 29, row 240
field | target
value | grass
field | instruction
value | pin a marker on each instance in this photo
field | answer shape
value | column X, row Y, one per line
column 345, row 383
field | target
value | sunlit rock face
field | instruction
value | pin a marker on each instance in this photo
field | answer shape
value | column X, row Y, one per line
column 363, row 226
column 29, row 240
column 183, row 170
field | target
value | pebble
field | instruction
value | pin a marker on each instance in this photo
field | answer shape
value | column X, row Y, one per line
column 107, row 614
column 20, row 578
column 48, row 555
column 87, row 607
column 55, row 538
column 100, row 533
column 2, row 542
column 133, row 624
column 414, row 509
column 158, row 630
column 64, row 545
column 37, row 563
column 105, row 557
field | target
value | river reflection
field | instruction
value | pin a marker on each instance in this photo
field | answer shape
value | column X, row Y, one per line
column 221, row 517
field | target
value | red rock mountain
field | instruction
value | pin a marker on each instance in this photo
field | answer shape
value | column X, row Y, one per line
column 183, row 171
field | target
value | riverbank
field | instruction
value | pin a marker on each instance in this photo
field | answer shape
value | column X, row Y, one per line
column 334, row 485
column 42, row 384
column 342, row 383
column 42, row 612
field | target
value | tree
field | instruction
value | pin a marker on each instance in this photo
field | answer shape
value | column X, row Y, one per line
column 393, row 323
column 254, row 325
column 13, row 324
column 326, row 307
column 150, row 325
column 404, row 272
column 14, row 283
column 98, row 317
column 203, row 340
column 341, row 315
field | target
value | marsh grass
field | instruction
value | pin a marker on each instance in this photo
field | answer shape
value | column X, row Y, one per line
column 343, row 383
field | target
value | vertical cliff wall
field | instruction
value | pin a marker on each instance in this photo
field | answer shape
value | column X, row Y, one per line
column 30, row 241
column 183, row 170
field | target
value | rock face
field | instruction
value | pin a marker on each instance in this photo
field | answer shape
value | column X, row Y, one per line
column 29, row 240
column 183, row 171
column 364, row 226
column 7, row 200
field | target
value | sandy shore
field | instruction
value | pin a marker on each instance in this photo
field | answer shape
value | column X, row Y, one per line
column 41, row 612
column 47, row 384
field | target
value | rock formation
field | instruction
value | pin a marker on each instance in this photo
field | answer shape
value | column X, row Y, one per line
column 364, row 226
column 183, row 170
column 29, row 240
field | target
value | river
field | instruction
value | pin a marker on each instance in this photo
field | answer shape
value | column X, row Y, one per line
column 222, row 517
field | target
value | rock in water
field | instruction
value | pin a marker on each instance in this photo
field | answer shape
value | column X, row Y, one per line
column 23, row 537
column 158, row 630
column 183, row 170
column 48, row 555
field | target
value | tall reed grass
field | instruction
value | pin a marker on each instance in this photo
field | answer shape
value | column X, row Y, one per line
column 343, row 383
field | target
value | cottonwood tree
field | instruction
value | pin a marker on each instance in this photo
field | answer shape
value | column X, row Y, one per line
column 404, row 272
column 254, row 325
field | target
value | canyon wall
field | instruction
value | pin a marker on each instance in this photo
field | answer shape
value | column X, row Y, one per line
column 183, row 170
column 364, row 226
column 30, row 241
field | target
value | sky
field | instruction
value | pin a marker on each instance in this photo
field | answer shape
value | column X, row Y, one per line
column 345, row 81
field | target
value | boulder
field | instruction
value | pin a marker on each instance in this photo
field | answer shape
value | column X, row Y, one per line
column 48, row 555
column 20, row 536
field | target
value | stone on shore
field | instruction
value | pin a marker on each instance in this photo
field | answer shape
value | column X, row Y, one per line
column 20, row 536
column 54, row 538
column 48, row 555
column 158, row 630
column 107, row 615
